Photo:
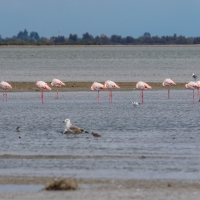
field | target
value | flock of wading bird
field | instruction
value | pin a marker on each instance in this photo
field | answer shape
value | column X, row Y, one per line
column 110, row 85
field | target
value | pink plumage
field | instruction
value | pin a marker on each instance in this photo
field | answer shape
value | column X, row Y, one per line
column 5, row 86
column 42, row 86
column 111, row 85
column 168, row 82
column 57, row 83
column 192, row 86
column 142, row 86
column 98, row 87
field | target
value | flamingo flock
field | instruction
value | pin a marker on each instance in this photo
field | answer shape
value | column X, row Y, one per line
column 108, row 85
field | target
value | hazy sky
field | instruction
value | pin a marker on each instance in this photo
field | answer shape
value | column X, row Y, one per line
column 120, row 17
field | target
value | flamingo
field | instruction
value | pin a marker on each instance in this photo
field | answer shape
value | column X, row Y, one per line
column 192, row 86
column 4, row 86
column 168, row 82
column 57, row 83
column 42, row 86
column 98, row 87
column 142, row 86
column 110, row 85
column 198, row 89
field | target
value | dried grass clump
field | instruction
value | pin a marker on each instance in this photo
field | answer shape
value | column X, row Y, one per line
column 62, row 184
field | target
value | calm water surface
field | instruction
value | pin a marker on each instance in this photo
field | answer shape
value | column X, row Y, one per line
column 145, row 63
column 156, row 140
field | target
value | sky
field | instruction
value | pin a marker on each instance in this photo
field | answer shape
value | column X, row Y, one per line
column 120, row 17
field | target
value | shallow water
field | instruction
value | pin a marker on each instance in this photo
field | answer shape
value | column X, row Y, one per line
column 156, row 140
column 100, row 63
column 29, row 188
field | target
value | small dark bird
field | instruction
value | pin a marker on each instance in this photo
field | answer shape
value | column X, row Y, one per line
column 194, row 76
column 96, row 134
column 18, row 129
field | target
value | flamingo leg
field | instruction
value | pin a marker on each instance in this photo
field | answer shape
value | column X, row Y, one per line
column 193, row 97
column 111, row 96
column 168, row 92
column 98, row 97
column 199, row 95
column 42, row 96
column 5, row 96
column 142, row 93
column 56, row 92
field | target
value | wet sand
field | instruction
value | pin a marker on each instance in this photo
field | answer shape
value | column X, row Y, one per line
column 85, row 86
column 106, row 189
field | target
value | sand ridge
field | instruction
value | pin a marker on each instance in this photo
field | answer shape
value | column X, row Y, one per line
column 85, row 86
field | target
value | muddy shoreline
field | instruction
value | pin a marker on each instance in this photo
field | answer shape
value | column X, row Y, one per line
column 85, row 86
column 106, row 189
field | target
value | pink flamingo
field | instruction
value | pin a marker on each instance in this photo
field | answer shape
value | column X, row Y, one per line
column 168, row 82
column 4, row 86
column 42, row 86
column 98, row 87
column 192, row 86
column 57, row 83
column 142, row 86
column 110, row 85
column 198, row 89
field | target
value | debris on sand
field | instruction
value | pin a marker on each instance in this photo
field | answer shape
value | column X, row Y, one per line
column 62, row 184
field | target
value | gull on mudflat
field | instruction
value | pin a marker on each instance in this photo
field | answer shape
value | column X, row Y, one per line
column 136, row 103
column 194, row 76
column 70, row 129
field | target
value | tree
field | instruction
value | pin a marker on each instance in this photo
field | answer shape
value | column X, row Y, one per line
column 87, row 37
column 34, row 35
column 147, row 35
column 117, row 39
column 23, row 35
column 129, row 40
column 73, row 37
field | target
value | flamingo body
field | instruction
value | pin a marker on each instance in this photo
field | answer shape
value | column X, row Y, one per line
column 192, row 86
column 57, row 83
column 168, row 82
column 5, row 86
column 110, row 85
column 42, row 86
column 142, row 86
column 98, row 87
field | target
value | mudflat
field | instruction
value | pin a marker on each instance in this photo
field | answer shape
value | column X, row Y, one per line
column 85, row 86
column 105, row 189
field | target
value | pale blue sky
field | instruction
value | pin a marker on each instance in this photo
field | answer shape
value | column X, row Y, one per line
column 120, row 17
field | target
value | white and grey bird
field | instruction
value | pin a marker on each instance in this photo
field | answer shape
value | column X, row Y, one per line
column 70, row 129
column 18, row 129
column 136, row 103
column 194, row 76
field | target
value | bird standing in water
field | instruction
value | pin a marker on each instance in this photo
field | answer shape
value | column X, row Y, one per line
column 42, row 86
column 4, row 86
column 142, row 86
column 98, row 87
column 57, row 83
column 110, row 85
column 168, row 82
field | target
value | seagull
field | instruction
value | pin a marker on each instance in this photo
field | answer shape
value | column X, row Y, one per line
column 70, row 129
column 18, row 129
column 194, row 76
column 136, row 103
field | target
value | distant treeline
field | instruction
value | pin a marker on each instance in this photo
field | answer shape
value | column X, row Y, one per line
column 24, row 38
